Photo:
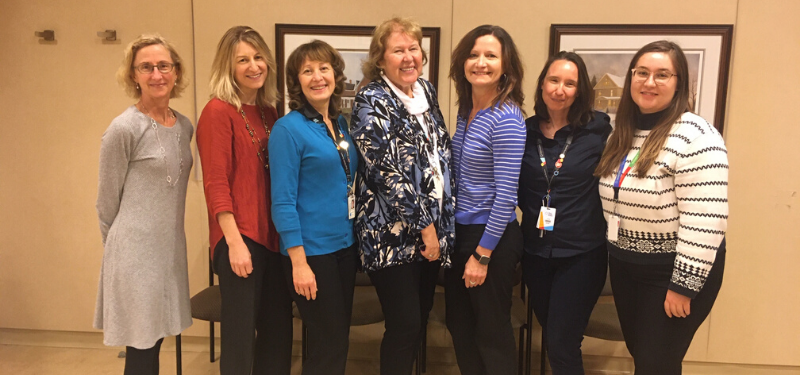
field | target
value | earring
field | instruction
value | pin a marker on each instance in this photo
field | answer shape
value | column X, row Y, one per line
column 137, row 86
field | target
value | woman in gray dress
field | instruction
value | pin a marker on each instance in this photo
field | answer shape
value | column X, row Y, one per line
column 145, row 160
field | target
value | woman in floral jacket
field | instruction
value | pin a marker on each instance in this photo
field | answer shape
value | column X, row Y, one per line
column 405, row 206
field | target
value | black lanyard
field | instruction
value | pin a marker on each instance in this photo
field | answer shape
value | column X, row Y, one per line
column 344, row 152
column 558, row 165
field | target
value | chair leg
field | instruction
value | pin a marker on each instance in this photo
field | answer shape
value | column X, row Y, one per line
column 543, row 359
column 178, row 359
column 304, row 347
column 424, row 351
column 529, row 344
column 211, row 341
column 521, row 349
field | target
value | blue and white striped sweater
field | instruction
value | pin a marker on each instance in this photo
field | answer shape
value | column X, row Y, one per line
column 487, row 161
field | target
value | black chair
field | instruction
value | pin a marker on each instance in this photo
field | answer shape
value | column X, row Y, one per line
column 603, row 323
column 206, row 305
column 366, row 309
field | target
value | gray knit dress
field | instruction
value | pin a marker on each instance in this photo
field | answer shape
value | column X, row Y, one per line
column 144, row 284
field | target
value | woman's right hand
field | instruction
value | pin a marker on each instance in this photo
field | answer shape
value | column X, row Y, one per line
column 239, row 256
column 305, row 282
column 431, row 241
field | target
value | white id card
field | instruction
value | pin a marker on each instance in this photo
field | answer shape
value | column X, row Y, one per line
column 351, row 204
column 613, row 228
column 547, row 217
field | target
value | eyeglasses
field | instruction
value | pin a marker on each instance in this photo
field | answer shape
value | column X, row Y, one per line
column 660, row 77
column 163, row 67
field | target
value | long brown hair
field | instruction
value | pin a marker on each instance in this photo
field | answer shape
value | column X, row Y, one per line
column 580, row 112
column 619, row 144
column 510, row 87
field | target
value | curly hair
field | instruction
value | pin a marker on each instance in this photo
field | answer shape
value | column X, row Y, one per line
column 377, row 47
column 223, row 84
column 315, row 50
column 126, row 72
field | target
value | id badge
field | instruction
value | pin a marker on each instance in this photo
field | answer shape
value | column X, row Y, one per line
column 351, row 204
column 547, row 217
column 613, row 228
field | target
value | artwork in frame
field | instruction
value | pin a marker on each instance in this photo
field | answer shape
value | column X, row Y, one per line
column 608, row 49
column 352, row 42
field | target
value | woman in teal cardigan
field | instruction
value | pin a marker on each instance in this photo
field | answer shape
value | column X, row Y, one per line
column 312, row 167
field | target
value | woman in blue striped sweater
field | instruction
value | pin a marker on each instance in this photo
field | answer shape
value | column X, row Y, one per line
column 487, row 153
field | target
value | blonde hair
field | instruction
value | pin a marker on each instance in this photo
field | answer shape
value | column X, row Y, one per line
column 125, row 73
column 223, row 83
column 377, row 47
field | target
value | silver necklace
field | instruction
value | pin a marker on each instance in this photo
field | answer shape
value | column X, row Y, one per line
column 163, row 151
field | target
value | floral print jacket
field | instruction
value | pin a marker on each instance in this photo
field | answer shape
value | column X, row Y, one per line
column 395, row 196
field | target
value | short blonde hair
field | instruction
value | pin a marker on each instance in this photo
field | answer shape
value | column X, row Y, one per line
column 223, row 83
column 377, row 47
column 125, row 72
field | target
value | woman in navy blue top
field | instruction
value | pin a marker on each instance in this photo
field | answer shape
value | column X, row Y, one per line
column 487, row 152
column 564, row 264
column 312, row 167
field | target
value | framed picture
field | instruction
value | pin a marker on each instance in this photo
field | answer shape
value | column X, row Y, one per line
column 352, row 42
column 608, row 49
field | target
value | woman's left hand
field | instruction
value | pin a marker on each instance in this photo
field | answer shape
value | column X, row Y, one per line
column 677, row 305
column 474, row 272
column 431, row 241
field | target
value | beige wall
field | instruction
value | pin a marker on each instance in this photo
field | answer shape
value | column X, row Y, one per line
column 56, row 100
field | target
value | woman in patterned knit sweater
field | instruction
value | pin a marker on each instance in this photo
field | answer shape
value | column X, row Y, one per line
column 663, row 182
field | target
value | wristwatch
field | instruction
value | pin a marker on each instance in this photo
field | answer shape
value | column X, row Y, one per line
column 482, row 259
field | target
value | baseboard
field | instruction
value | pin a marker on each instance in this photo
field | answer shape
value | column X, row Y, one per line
column 437, row 355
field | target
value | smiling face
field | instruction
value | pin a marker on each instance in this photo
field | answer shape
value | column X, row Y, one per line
column 402, row 60
column 318, row 81
column 647, row 94
column 560, row 86
column 250, row 69
column 484, row 66
column 155, row 85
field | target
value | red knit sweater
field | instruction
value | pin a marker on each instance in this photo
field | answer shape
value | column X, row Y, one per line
column 233, row 177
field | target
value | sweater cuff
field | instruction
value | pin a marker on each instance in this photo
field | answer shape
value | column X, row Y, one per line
column 489, row 241
column 682, row 290
column 292, row 238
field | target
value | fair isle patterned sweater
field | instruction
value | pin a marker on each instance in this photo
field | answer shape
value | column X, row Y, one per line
column 677, row 213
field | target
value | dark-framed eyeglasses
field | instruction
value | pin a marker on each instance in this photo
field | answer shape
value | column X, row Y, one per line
column 660, row 77
column 163, row 67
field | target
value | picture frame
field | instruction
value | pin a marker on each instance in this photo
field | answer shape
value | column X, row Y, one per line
column 352, row 42
column 608, row 49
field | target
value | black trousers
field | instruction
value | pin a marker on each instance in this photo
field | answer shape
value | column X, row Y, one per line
column 563, row 294
column 657, row 342
column 327, row 318
column 142, row 361
column 406, row 295
column 479, row 319
column 256, row 314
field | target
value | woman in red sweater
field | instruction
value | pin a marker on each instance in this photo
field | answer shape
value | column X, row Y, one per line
column 232, row 136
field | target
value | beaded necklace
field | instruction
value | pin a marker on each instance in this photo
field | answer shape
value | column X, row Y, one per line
column 261, row 150
column 161, row 148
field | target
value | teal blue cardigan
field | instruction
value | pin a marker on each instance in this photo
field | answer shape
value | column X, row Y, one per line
column 309, row 185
